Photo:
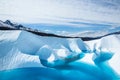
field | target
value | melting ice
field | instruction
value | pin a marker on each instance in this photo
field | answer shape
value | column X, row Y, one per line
column 24, row 50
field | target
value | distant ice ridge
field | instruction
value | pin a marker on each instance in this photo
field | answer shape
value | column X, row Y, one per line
column 23, row 49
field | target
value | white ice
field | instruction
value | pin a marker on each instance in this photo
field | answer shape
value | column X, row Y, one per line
column 23, row 49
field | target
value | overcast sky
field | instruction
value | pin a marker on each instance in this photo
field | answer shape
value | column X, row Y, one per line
column 60, row 11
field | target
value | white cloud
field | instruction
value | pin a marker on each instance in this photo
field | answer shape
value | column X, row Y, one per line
column 60, row 11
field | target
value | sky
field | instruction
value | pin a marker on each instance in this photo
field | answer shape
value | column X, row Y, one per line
column 61, row 11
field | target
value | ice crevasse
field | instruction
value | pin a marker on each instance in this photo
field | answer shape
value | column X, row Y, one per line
column 23, row 49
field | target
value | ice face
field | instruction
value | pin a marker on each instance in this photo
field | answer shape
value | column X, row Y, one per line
column 60, row 54
column 49, row 49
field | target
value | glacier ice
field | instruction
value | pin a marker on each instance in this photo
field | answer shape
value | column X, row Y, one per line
column 19, row 49
column 30, row 44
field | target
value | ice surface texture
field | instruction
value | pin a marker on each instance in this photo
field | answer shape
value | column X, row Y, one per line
column 20, row 49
